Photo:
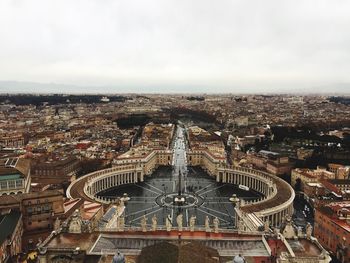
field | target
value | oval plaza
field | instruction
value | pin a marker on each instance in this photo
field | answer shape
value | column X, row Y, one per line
column 152, row 177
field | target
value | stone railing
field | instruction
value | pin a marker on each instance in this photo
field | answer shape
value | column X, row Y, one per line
column 163, row 228
column 109, row 178
column 277, row 204
column 274, row 206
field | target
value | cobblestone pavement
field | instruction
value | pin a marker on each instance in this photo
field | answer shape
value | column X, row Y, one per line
column 204, row 196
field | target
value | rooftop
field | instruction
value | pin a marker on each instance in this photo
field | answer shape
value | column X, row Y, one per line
column 283, row 194
column 304, row 248
column 90, row 209
column 8, row 223
column 15, row 200
column 226, row 244
column 72, row 241
column 15, row 166
column 15, row 176
column 332, row 211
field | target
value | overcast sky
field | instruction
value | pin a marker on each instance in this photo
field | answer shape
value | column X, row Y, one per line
column 180, row 45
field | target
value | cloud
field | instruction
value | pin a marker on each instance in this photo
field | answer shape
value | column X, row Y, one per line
column 224, row 45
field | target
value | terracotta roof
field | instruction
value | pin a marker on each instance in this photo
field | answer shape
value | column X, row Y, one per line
column 23, row 165
column 331, row 187
column 47, row 193
column 10, row 200
column 283, row 194
column 15, row 200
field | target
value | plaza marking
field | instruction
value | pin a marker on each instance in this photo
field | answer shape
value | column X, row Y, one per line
column 152, row 212
column 212, row 215
column 186, row 211
column 169, row 180
column 161, row 192
column 132, row 197
column 138, row 202
column 172, row 215
column 141, row 197
column 174, row 186
column 147, row 189
column 204, row 187
column 225, row 214
column 215, row 201
column 144, row 210
column 212, row 189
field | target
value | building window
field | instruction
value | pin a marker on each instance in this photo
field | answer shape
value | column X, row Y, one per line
column 19, row 183
column 11, row 184
column 3, row 185
column 46, row 208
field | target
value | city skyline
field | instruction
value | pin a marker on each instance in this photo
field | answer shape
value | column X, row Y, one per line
column 175, row 47
column 18, row 87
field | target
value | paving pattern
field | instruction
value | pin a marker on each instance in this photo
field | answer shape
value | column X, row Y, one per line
column 204, row 196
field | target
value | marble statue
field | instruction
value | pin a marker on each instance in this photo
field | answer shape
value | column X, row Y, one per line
column 216, row 223
column 241, row 226
column 168, row 223
column 86, row 226
column 179, row 219
column 75, row 223
column 118, row 258
column 299, row 232
column 238, row 259
column 154, row 223
column 144, row 223
column 117, row 201
column 192, row 222
column 289, row 230
column 121, row 223
column 267, row 226
column 276, row 231
column 57, row 224
column 207, row 224
column 284, row 219
column 308, row 231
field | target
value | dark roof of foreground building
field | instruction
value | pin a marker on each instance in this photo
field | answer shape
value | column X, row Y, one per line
column 192, row 252
column 8, row 223
column 228, row 246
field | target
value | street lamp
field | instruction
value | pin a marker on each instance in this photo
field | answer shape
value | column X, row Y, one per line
column 235, row 202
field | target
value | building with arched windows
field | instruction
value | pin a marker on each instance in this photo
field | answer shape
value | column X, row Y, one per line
column 15, row 177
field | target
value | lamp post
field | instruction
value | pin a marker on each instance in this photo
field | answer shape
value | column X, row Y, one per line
column 235, row 202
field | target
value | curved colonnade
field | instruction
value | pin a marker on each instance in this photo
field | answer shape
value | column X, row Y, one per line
column 279, row 195
column 98, row 181
column 276, row 204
